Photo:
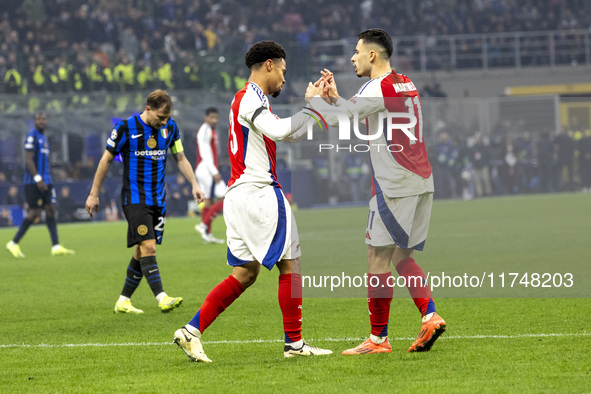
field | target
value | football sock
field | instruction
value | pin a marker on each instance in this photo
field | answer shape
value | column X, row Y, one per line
column 160, row 296
column 22, row 230
column 420, row 292
column 379, row 298
column 123, row 298
column 204, row 212
column 212, row 213
column 133, row 278
column 377, row 340
column 290, row 302
column 297, row 345
column 218, row 299
column 52, row 226
column 152, row 273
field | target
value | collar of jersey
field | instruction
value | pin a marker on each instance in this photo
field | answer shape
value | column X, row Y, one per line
column 383, row 75
column 150, row 128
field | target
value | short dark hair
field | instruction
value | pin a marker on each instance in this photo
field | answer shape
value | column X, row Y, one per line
column 159, row 99
column 262, row 51
column 211, row 110
column 379, row 37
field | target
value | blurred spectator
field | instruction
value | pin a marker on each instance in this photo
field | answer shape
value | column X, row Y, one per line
column 547, row 162
column 354, row 172
column 162, row 29
column 180, row 195
column 509, row 172
column 480, row 159
column 525, row 151
column 66, row 206
column 564, row 147
column 112, row 211
column 5, row 218
column 13, row 197
column 446, row 156
column 585, row 161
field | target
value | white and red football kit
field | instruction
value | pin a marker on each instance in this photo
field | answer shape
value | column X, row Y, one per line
column 207, row 162
column 259, row 221
column 399, row 173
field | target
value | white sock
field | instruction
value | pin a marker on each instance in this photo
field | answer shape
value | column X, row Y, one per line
column 160, row 296
column 193, row 330
column 427, row 317
column 56, row 246
column 123, row 298
column 297, row 344
column 377, row 340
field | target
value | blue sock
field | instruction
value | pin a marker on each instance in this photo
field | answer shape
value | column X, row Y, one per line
column 133, row 279
column 152, row 274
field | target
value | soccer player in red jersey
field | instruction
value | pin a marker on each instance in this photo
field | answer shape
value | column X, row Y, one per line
column 261, row 228
column 400, row 208
column 208, row 175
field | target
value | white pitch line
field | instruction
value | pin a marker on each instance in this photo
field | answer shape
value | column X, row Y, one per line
column 44, row 345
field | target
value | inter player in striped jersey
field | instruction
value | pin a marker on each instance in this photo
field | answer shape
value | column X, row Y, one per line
column 39, row 191
column 208, row 175
column 261, row 229
column 400, row 208
column 143, row 141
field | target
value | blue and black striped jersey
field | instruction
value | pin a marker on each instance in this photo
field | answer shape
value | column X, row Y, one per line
column 143, row 150
column 37, row 143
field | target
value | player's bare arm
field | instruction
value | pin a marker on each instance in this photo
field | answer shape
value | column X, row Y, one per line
column 33, row 170
column 187, row 171
column 92, row 202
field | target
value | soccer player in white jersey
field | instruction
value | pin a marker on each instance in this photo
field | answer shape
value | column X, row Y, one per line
column 208, row 175
column 261, row 229
column 400, row 208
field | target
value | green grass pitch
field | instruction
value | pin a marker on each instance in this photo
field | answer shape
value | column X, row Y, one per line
column 58, row 332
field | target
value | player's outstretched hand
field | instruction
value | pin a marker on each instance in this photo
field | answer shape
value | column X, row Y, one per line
column 331, row 85
column 92, row 205
column 314, row 90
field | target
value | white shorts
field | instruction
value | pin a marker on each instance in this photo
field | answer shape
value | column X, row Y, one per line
column 402, row 222
column 259, row 226
column 205, row 180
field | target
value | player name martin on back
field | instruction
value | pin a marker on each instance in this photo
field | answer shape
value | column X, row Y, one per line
column 404, row 87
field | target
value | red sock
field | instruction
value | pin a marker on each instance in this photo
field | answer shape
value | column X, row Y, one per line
column 204, row 212
column 218, row 299
column 418, row 289
column 379, row 298
column 212, row 213
column 290, row 302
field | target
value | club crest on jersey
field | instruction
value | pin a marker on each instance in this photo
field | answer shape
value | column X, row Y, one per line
column 152, row 142
column 142, row 230
column 164, row 132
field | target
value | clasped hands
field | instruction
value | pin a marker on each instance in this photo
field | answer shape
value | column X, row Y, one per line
column 324, row 87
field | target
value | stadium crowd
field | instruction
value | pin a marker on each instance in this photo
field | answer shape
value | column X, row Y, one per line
column 59, row 45
column 512, row 163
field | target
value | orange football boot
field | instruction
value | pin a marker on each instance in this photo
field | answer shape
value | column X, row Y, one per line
column 430, row 331
column 369, row 347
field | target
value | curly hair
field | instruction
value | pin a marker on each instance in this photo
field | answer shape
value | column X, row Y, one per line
column 262, row 51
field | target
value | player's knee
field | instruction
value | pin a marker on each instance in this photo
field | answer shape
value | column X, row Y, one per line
column 247, row 274
column 147, row 249
column 33, row 214
column 49, row 211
